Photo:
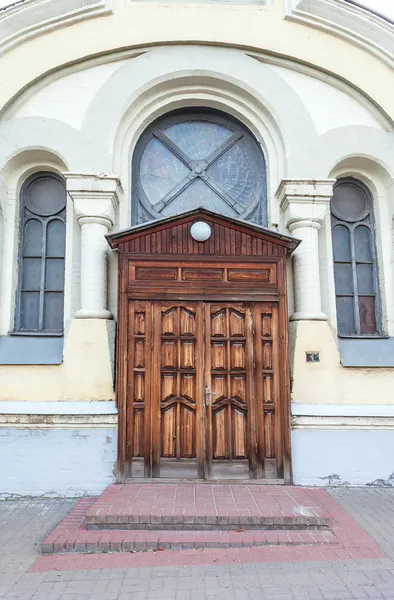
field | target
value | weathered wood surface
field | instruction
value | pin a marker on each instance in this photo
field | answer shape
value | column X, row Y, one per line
column 202, row 367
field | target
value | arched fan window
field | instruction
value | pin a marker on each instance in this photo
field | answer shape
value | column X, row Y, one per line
column 355, row 263
column 40, row 294
column 204, row 159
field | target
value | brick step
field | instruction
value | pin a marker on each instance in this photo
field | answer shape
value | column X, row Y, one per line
column 146, row 541
column 206, row 523
column 187, row 506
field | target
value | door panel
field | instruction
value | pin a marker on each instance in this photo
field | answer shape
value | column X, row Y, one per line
column 229, row 390
column 177, row 383
column 203, row 388
column 139, row 368
column 266, row 351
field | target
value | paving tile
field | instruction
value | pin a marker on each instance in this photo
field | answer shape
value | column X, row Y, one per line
column 71, row 535
column 367, row 524
column 217, row 504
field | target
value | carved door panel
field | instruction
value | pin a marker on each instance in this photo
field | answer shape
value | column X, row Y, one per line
column 267, row 379
column 229, row 393
column 177, row 389
column 138, row 415
column 204, row 388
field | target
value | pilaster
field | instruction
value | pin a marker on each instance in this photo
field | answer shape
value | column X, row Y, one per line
column 95, row 200
column 305, row 206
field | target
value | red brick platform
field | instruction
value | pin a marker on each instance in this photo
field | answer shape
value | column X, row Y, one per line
column 206, row 507
column 72, row 536
column 222, row 507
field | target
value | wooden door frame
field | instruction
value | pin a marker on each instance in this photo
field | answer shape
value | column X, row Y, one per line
column 124, row 456
column 234, row 245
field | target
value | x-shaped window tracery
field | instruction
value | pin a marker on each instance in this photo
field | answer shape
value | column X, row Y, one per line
column 198, row 161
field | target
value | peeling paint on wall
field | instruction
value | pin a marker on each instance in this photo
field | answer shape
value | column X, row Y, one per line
column 389, row 482
column 334, row 479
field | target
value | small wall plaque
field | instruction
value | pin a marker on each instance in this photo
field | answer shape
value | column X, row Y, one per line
column 313, row 357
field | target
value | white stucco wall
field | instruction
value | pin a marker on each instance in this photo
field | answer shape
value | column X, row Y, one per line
column 57, row 448
column 91, row 116
column 343, row 457
column 56, row 462
column 322, row 112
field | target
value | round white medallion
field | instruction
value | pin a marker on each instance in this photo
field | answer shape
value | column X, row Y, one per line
column 200, row 231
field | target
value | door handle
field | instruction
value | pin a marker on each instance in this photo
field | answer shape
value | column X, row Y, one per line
column 208, row 395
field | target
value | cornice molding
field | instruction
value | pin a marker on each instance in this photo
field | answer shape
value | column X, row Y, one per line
column 303, row 202
column 21, row 21
column 350, row 22
column 95, row 197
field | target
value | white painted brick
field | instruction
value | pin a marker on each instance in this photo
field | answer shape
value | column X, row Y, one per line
column 67, row 462
column 355, row 457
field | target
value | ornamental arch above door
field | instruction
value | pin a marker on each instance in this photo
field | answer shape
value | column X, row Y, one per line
column 202, row 367
column 198, row 158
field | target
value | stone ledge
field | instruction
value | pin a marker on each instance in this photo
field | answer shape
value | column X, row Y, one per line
column 57, row 421
column 94, row 407
column 62, row 415
column 342, row 410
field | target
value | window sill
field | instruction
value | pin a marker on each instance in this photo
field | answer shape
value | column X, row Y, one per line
column 369, row 352
column 363, row 337
column 37, row 334
column 31, row 350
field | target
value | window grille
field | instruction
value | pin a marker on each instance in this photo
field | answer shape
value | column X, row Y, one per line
column 355, row 261
column 40, row 294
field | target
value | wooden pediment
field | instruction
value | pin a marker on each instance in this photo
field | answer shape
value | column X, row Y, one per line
column 230, row 237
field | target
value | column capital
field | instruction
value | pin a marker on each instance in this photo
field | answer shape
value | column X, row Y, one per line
column 305, row 205
column 95, row 196
column 305, row 201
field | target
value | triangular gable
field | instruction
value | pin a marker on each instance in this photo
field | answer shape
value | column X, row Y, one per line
column 230, row 236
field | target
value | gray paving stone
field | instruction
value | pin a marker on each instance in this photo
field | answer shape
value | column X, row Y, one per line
column 25, row 523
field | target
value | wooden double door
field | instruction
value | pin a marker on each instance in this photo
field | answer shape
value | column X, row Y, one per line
column 203, row 390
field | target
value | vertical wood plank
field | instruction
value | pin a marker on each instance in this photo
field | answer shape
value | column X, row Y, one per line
column 216, row 231
column 251, row 394
column 208, row 385
column 277, row 429
column 148, row 392
column 155, row 391
column 258, row 361
column 200, row 409
column 231, row 234
column 284, row 372
column 129, row 451
column 121, row 380
column 185, row 236
column 238, row 243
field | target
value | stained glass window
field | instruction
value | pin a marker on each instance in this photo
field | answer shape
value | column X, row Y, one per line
column 205, row 159
column 354, row 252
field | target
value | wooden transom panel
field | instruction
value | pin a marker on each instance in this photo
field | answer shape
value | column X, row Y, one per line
column 197, row 278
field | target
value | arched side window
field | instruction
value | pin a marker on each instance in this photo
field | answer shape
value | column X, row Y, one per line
column 40, row 294
column 190, row 159
column 355, row 263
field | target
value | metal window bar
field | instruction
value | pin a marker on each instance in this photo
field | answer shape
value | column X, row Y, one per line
column 368, row 223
